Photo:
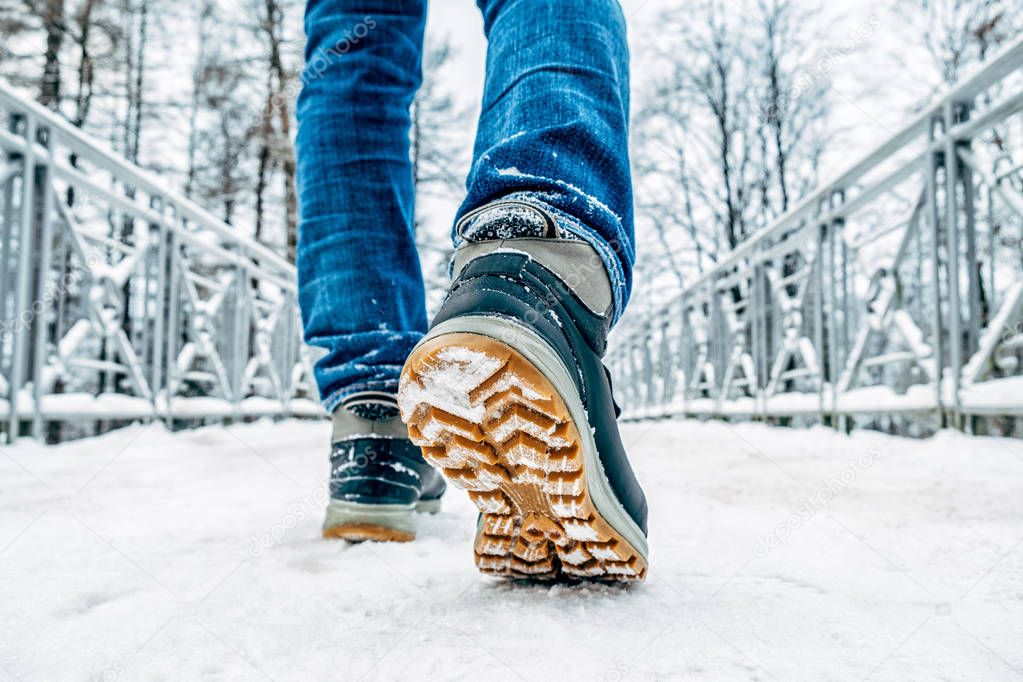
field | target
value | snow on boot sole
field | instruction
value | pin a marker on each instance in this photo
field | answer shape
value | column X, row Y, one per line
column 497, row 426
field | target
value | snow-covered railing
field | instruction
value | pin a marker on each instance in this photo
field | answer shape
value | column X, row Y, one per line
column 124, row 300
column 895, row 288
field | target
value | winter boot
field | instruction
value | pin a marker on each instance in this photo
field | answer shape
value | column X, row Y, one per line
column 378, row 478
column 508, row 397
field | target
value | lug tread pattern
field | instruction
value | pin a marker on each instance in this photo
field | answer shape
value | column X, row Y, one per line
column 519, row 457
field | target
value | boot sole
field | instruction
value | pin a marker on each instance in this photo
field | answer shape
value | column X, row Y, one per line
column 357, row 522
column 495, row 425
column 360, row 532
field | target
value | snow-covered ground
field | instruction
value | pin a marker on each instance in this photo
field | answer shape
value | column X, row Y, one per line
column 776, row 554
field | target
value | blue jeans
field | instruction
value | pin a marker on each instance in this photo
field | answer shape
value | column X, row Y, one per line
column 553, row 131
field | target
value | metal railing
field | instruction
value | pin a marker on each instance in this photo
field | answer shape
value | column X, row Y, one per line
column 896, row 288
column 123, row 300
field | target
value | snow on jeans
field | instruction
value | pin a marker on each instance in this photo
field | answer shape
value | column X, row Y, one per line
column 552, row 131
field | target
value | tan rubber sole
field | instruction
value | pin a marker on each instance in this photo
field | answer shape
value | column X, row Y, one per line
column 358, row 532
column 496, row 427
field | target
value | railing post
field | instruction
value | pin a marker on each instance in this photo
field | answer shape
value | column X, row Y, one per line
column 26, row 238
column 757, row 335
column 846, row 309
column 665, row 370
column 955, row 327
column 634, row 378
column 713, row 306
column 240, row 334
column 290, row 359
column 933, row 219
column 992, row 239
column 159, row 324
column 147, row 325
column 40, row 310
column 8, row 236
column 970, row 232
column 648, row 369
column 835, row 361
column 817, row 273
column 685, row 351
column 173, row 321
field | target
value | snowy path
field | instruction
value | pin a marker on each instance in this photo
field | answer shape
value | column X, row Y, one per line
column 144, row 555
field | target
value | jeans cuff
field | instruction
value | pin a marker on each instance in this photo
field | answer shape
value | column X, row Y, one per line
column 331, row 401
column 577, row 230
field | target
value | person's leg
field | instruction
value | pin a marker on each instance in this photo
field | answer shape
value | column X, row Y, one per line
column 554, row 123
column 360, row 284
column 507, row 393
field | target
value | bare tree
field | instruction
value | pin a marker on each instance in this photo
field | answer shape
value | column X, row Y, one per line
column 793, row 103
column 712, row 69
column 275, row 148
column 440, row 154
column 52, row 14
column 959, row 33
column 85, row 22
column 729, row 133
column 15, row 50
column 204, row 21
column 79, row 38
column 226, row 138
column 438, row 147
column 663, row 178
column 136, row 31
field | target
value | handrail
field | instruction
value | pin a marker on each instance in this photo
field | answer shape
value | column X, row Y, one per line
column 102, row 154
